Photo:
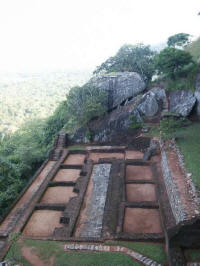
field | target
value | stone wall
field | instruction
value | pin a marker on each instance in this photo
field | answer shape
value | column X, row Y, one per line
column 172, row 191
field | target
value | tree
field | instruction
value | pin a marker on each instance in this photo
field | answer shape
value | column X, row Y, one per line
column 171, row 61
column 83, row 104
column 136, row 58
column 178, row 40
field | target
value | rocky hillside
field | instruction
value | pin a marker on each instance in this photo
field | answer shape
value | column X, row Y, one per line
column 129, row 101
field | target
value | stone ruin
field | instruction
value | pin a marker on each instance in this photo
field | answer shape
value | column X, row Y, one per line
column 126, row 188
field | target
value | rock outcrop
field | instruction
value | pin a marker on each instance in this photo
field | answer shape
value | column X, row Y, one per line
column 197, row 94
column 104, row 129
column 118, row 121
column 182, row 102
column 148, row 105
column 119, row 86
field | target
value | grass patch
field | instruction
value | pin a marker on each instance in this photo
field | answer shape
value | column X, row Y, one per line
column 76, row 147
column 14, row 254
column 46, row 249
column 153, row 251
column 193, row 254
column 189, row 144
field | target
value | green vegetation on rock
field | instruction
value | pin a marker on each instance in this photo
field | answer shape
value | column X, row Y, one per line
column 83, row 104
column 132, row 58
column 194, row 49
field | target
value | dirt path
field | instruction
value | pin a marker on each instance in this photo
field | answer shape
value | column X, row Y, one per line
column 29, row 254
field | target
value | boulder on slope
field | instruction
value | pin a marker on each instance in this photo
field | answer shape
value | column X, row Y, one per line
column 182, row 102
column 120, row 86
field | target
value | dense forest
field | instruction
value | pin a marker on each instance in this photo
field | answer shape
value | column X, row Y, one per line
column 33, row 99
column 24, row 97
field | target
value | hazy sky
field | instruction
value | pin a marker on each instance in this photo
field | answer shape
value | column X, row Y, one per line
column 81, row 34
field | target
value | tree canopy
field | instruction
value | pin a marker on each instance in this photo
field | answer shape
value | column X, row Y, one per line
column 133, row 58
column 178, row 40
column 83, row 103
column 170, row 61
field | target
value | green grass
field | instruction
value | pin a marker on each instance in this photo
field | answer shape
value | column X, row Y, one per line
column 193, row 254
column 76, row 147
column 46, row 249
column 189, row 144
column 153, row 251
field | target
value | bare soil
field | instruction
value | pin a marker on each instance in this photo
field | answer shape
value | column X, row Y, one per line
column 28, row 194
column 140, row 192
column 67, row 175
column 29, row 254
column 138, row 172
column 133, row 155
column 179, row 178
column 75, row 159
column 58, row 194
column 139, row 220
column 42, row 223
column 95, row 156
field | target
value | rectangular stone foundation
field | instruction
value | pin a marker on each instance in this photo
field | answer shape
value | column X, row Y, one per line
column 58, row 194
column 75, row 159
column 140, row 192
column 141, row 220
column 42, row 223
column 138, row 172
column 64, row 175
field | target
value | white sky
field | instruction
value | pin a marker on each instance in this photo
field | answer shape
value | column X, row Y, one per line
column 80, row 34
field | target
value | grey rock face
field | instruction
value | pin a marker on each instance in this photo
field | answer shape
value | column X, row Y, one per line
column 197, row 94
column 120, row 86
column 148, row 105
column 182, row 102
column 102, row 130
column 80, row 135
column 159, row 94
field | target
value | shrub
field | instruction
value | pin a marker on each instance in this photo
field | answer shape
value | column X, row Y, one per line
column 169, row 126
column 134, row 58
column 134, row 123
column 83, row 104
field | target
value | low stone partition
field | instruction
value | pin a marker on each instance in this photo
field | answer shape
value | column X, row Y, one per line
column 182, row 200
column 182, row 221
column 172, row 190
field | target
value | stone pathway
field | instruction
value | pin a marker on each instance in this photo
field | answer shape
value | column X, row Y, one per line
column 93, row 247
column 91, row 217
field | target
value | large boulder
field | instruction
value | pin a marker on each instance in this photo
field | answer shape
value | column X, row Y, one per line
column 182, row 102
column 159, row 93
column 120, row 86
column 148, row 105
